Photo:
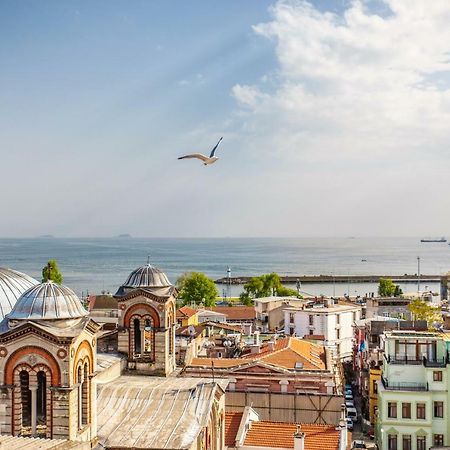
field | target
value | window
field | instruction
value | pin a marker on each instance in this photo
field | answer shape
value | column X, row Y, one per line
column 420, row 411
column 392, row 442
column 338, row 333
column 375, row 386
column 311, row 320
column 437, row 375
column 406, row 442
column 338, row 319
column 406, row 410
column 311, row 332
column 392, row 409
column 291, row 317
column 25, row 398
column 291, row 331
column 438, row 409
column 438, row 440
column 421, row 443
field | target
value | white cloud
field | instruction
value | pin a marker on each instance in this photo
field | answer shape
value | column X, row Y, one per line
column 355, row 84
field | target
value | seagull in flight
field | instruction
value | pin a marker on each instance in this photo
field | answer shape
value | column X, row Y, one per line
column 211, row 159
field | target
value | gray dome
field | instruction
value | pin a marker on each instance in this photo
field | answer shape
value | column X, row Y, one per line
column 147, row 276
column 48, row 301
column 12, row 285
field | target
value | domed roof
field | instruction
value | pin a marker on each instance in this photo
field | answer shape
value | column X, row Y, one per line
column 12, row 285
column 48, row 301
column 147, row 276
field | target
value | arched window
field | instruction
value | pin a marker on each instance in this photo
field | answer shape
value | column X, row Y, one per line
column 148, row 336
column 25, row 395
column 137, row 336
column 85, row 395
column 41, row 407
column 171, row 332
column 80, row 397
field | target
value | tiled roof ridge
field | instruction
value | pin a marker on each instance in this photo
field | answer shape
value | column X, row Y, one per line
column 310, row 344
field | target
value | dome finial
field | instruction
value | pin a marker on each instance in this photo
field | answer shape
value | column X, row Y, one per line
column 148, row 259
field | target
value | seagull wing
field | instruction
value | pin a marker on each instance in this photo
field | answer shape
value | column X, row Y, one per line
column 195, row 155
column 215, row 148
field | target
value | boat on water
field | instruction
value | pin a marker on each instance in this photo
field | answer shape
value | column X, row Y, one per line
column 442, row 239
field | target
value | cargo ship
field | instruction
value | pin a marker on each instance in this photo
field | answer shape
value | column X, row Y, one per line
column 442, row 239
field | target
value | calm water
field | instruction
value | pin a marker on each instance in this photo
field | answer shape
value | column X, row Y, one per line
column 103, row 264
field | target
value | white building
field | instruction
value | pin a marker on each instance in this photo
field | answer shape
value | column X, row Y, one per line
column 330, row 318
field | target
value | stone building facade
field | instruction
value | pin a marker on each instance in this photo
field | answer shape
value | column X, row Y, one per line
column 146, row 329
column 47, row 362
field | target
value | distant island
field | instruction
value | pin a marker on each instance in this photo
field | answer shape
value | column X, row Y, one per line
column 125, row 235
column 46, row 236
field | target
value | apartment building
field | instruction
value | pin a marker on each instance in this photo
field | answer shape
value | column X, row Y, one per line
column 413, row 393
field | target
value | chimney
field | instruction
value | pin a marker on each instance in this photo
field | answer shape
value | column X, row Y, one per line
column 256, row 336
column 299, row 439
column 271, row 346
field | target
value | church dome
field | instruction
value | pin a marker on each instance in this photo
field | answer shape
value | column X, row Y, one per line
column 48, row 301
column 12, row 285
column 147, row 276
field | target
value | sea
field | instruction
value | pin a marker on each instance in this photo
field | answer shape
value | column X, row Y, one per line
column 93, row 265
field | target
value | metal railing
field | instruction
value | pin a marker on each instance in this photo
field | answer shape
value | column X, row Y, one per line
column 403, row 385
column 409, row 360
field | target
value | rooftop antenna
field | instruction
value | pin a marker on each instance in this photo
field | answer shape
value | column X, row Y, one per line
column 148, row 259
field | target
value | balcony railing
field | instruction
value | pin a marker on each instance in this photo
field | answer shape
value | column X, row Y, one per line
column 409, row 360
column 399, row 359
column 403, row 386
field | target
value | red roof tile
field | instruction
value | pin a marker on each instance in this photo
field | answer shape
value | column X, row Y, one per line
column 232, row 423
column 185, row 312
column 281, row 435
column 236, row 312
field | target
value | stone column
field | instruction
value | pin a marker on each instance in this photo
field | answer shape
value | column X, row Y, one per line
column 33, row 390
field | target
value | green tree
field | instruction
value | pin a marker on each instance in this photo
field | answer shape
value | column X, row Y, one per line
column 51, row 272
column 197, row 288
column 387, row 288
column 422, row 310
column 246, row 299
column 283, row 291
column 265, row 286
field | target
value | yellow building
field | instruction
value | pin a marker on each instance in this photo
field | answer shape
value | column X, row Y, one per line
column 374, row 377
column 187, row 316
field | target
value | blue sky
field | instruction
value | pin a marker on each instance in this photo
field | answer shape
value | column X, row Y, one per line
column 98, row 98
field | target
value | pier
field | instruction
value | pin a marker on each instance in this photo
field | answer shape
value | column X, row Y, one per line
column 292, row 279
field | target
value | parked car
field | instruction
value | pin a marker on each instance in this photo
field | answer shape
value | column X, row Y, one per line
column 349, row 404
column 358, row 444
column 349, row 424
column 348, row 387
column 353, row 414
column 348, row 392
column 348, row 397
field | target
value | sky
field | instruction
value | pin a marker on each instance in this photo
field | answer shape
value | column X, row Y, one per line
column 335, row 117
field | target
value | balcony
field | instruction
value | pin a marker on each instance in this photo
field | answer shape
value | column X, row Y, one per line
column 402, row 360
column 409, row 360
column 403, row 386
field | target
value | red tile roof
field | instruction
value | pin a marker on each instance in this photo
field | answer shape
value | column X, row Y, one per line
column 286, row 354
column 281, row 435
column 289, row 351
column 185, row 312
column 232, row 423
column 185, row 331
column 236, row 312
